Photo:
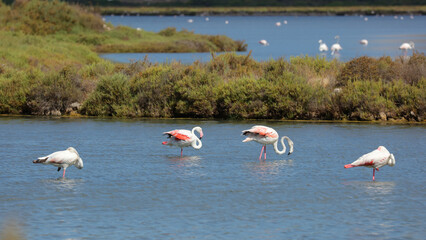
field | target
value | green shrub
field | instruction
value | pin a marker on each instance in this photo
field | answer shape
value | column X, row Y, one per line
column 55, row 93
column 242, row 98
column 196, row 93
column 168, row 32
column 14, row 87
column 43, row 17
column 111, row 98
column 362, row 68
column 415, row 69
column 153, row 91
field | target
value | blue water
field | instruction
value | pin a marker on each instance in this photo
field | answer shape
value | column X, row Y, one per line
column 298, row 37
column 132, row 187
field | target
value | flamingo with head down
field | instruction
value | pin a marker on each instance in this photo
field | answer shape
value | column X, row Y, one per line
column 62, row 159
column 266, row 135
column 375, row 159
column 184, row 138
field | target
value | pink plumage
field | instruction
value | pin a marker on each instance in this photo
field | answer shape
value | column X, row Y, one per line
column 184, row 138
column 266, row 135
column 375, row 159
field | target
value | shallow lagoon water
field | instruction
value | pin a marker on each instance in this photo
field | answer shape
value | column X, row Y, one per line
column 298, row 37
column 132, row 187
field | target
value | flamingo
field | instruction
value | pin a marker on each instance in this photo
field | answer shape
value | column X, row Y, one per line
column 184, row 138
column 264, row 42
column 336, row 47
column 375, row 159
column 62, row 159
column 278, row 24
column 364, row 42
column 323, row 47
column 266, row 135
column 406, row 46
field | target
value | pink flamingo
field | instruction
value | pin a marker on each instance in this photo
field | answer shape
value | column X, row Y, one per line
column 62, row 159
column 375, row 159
column 266, row 135
column 184, row 138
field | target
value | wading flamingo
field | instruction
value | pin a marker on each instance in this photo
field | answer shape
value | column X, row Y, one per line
column 322, row 47
column 62, row 159
column 375, row 159
column 184, row 138
column 263, row 42
column 335, row 48
column 364, row 42
column 266, row 135
column 406, row 46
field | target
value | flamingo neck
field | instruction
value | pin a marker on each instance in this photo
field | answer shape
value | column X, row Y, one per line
column 290, row 143
column 276, row 146
column 197, row 144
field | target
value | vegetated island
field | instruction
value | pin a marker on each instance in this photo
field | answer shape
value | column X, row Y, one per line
column 264, row 10
column 49, row 66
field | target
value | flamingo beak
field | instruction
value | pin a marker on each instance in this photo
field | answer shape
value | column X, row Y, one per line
column 201, row 135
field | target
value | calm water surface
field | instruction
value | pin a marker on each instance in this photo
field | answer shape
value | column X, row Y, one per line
column 298, row 37
column 132, row 187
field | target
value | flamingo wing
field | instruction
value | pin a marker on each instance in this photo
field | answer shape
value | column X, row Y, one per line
column 178, row 135
column 261, row 131
column 375, row 158
column 61, row 157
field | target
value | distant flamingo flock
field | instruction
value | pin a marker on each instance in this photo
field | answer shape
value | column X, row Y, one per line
column 336, row 47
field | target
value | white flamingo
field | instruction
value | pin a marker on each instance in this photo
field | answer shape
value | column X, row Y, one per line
column 278, row 24
column 263, row 42
column 364, row 42
column 375, row 159
column 335, row 48
column 406, row 46
column 322, row 47
column 62, row 159
column 266, row 135
column 184, row 138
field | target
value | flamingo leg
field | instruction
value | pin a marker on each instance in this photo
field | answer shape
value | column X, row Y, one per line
column 181, row 152
column 374, row 171
column 260, row 157
column 265, row 151
column 63, row 175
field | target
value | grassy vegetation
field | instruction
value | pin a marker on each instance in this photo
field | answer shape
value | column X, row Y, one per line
column 264, row 10
column 235, row 87
column 58, row 73
column 72, row 24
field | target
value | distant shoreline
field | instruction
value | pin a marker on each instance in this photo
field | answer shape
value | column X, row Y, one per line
column 264, row 11
column 314, row 121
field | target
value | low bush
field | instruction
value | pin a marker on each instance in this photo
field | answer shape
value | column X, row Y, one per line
column 110, row 98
